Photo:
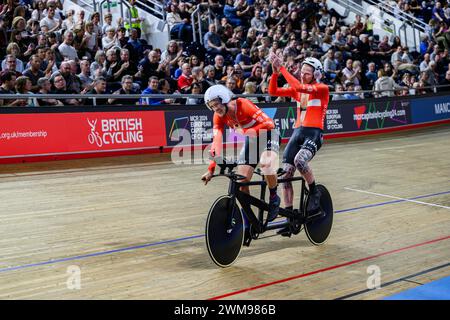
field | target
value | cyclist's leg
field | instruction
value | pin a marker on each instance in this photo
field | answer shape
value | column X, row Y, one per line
column 289, row 154
column 269, row 144
column 247, row 161
column 247, row 172
column 312, row 144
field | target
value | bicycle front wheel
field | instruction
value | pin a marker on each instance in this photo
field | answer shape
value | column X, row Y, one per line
column 224, row 232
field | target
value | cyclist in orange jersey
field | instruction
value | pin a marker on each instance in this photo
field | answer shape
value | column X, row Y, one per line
column 312, row 101
column 261, row 144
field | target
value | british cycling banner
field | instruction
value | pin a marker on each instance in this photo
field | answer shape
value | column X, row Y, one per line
column 62, row 133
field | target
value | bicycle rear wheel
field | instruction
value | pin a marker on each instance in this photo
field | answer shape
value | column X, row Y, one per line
column 318, row 226
column 223, row 240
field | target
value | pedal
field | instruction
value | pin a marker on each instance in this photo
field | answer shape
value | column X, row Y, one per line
column 285, row 232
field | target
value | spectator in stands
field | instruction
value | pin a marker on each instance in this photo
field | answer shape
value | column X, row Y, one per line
column 195, row 61
column 172, row 53
column 71, row 82
column 436, row 52
column 196, row 89
column 99, row 88
column 212, row 42
column 357, row 27
column 438, row 13
column 107, row 23
column 8, row 86
column 10, row 65
column 164, row 87
column 135, row 46
column 34, row 73
column 185, row 80
column 330, row 66
column 121, row 36
column 406, row 56
column 127, row 88
column 350, row 86
column 151, row 66
column 244, row 60
column 445, row 83
column 111, row 65
column 110, row 40
column 180, row 27
column 132, row 15
column 38, row 12
column 371, row 74
column 429, row 76
column 44, row 88
column 233, row 13
column 80, row 18
column 198, row 77
column 219, row 67
column 50, row 22
column 210, row 73
column 385, row 85
column 97, row 30
column 338, row 88
column 350, row 73
column 425, row 45
column 396, row 58
column 258, row 23
column 230, row 83
column 13, row 49
column 85, row 75
column 239, row 76
column 153, row 84
column 66, row 49
column 98, row 67
column 69, row 22
column 23, row 86
column 229, row 72
column 256, row 76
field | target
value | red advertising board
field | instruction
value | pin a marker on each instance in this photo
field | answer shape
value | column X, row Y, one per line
column 68, row 133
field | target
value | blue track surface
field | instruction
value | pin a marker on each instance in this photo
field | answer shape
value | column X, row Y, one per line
column 435, row 290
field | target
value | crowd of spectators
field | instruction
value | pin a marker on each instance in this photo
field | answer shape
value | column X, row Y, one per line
column 44, row 49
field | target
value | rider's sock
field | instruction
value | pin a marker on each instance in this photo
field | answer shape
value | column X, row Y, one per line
column 289, row 208
column 312, row 186
column 273, row 192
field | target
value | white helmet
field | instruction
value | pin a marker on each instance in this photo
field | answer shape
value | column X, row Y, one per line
column 316, row 64
column 218, row 91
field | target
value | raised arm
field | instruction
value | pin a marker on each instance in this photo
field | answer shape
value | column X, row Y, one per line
column 274, row 90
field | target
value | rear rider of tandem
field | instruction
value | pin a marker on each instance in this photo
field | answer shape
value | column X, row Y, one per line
column 261, row 139
column 312, row 102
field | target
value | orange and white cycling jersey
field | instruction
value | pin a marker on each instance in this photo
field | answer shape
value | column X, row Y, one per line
column 248, row 119
column 312, row 99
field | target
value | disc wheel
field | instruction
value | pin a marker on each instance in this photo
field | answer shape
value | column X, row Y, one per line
column 224, row 239
column 318, row 226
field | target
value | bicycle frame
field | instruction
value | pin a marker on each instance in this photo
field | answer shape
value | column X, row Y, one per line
column 247, row 200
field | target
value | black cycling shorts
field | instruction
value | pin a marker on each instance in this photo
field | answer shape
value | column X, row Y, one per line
column 303, row 138
column 267, row 140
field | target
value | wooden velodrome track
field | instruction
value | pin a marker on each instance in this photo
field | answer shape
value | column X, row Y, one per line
column 134, row 227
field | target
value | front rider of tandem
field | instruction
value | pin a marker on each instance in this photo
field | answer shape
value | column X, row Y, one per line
column 312, row 102
column 246, row 118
